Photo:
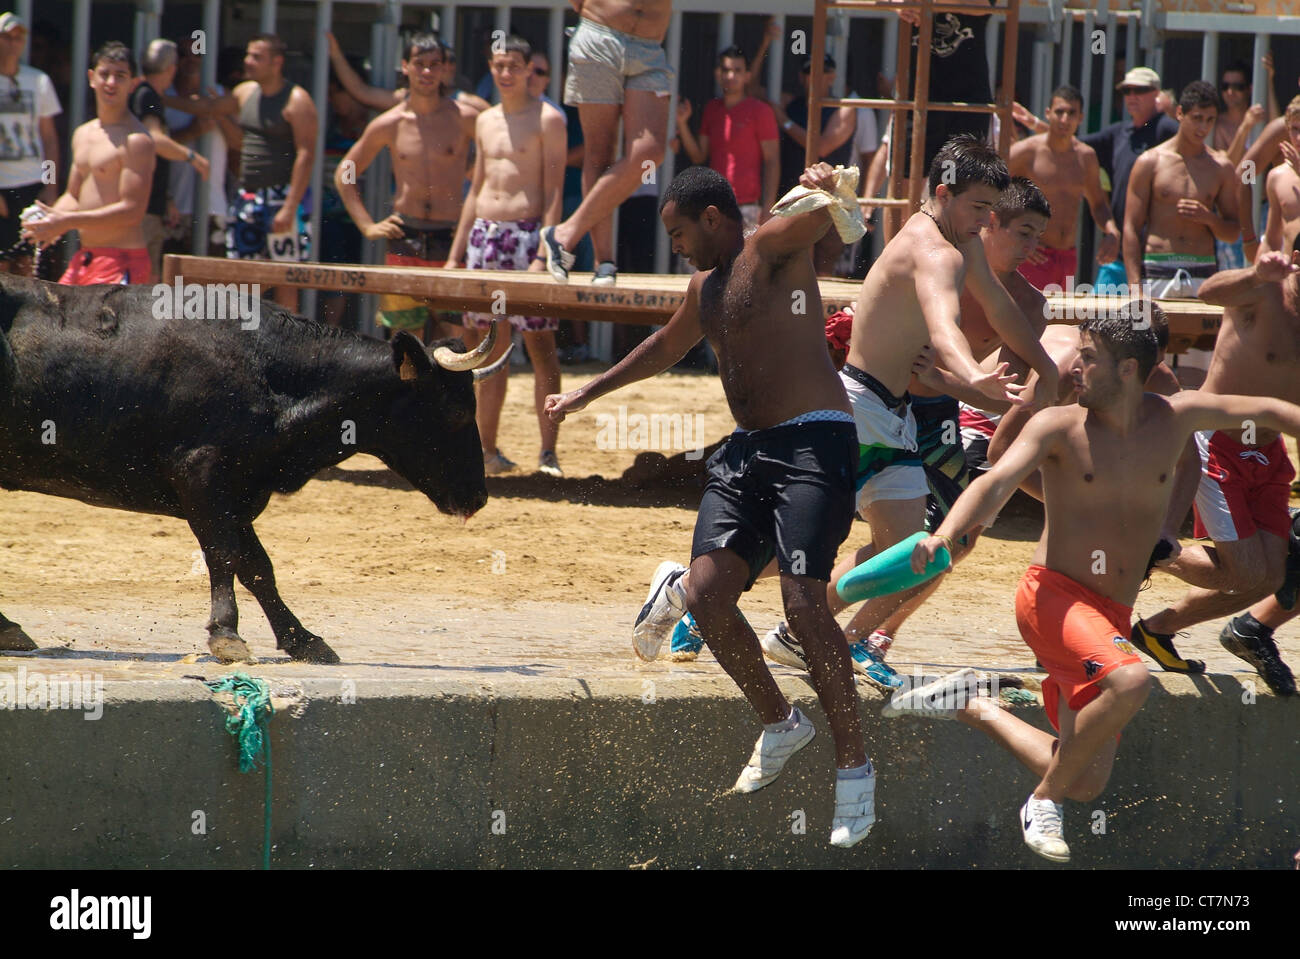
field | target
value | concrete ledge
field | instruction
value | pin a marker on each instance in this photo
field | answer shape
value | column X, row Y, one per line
column 588, row 773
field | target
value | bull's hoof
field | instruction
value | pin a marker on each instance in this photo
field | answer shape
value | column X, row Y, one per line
column 228, row 648
column 311, row 649
column 14, row 640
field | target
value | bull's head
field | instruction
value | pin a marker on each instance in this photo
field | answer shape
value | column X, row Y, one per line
column 431, row 437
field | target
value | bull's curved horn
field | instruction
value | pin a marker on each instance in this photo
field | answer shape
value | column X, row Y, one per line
column 487, row 371
column 449, row 359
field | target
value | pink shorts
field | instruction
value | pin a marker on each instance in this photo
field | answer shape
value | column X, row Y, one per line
column 1059, row 265
column 103, row 264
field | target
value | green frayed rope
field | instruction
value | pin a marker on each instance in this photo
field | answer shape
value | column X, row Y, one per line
column 253, row 710
column 1019, row 697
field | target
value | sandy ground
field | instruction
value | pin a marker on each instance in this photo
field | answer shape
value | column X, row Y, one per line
column 544, row 581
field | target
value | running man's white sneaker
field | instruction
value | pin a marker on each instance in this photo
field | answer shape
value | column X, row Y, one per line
column 1040, row 821
column 939, row 699
column 781, row 646
column 664, row 607
column 855, row 810
column 771, row 753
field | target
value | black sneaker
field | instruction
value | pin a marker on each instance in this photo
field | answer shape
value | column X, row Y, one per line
column 558, row 260
column 1290, row 591
column 1160, row 647
column 1261, row 652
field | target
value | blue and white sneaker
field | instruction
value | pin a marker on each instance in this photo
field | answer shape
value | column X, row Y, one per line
column 877, row 672
column 687, row 640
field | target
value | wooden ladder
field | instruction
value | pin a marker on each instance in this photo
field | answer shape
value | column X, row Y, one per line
column 920, row 103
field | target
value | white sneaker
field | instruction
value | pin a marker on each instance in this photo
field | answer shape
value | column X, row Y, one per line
column 771, row 753
column 939, row 699
column 780, row 646
column 663, row 609
column 1040, row 821
column 855, row 810
column 548, row 464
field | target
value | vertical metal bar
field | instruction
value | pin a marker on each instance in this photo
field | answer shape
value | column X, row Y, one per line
column 889, row 47
column 1210, row 56
column 266, row 23
column 1067, row 47
column 776, row 60
column 1086, row 63
column 1130, row 42
column 447, row 24
column 1260, row 82
column 816, row 53
column 1108, row 73
column 208, row 143
column 80, row 62
column 320, row 94
column 555, row 51
column 667, row 169
column 1039, row 76
column 727, row 30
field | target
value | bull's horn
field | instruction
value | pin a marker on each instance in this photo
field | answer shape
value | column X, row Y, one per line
column 487, row 371
column 449, row 359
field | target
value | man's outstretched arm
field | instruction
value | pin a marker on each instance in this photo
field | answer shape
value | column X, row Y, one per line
column 660, row 350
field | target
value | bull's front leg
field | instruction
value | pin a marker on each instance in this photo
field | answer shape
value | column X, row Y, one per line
column 254, row 570
column 219, row 540
column 12, row 637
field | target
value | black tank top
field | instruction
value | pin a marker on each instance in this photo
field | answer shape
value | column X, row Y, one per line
column 266, row 158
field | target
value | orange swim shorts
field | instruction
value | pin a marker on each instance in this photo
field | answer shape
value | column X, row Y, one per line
column 1077, row 634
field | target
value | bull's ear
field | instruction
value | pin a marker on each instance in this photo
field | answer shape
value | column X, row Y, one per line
column 409, row 357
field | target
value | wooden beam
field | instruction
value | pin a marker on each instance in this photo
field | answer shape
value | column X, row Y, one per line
column 638, row 298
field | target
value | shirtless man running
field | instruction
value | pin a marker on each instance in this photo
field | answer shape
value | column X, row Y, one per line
column 1246, row 483
column 1107, row 466
column 427, row 136
column 782, row 485
column 911, row 298
column 108, row 188
column 1017, row 220
column 1066, row 170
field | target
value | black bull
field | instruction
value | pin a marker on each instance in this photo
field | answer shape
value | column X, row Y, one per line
column 102, row 401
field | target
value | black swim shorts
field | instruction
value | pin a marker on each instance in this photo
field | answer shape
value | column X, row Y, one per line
column 786, row 491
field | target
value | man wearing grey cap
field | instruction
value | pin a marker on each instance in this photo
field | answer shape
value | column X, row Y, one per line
column 1119, row 145
column 28, row 106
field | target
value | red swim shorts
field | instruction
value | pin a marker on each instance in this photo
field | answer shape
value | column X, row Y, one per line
column 1243, row 489
column 1059, row 265
column 1077, row 634
column 104, row 264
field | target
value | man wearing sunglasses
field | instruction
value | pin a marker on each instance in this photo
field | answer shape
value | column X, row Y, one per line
column 1119, row 145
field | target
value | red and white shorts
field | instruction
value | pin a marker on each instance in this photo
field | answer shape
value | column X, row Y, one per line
column 1243, row 488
